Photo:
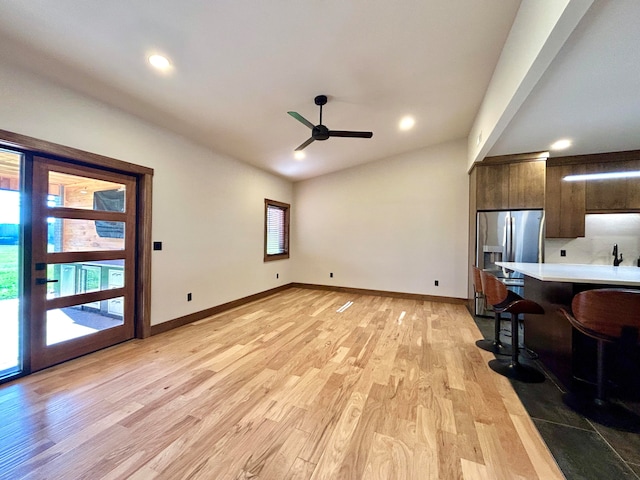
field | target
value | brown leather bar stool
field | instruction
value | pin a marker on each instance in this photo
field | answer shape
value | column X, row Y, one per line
column 477, row 286
column 498, row 302
column 515, row 306
column 608, row 315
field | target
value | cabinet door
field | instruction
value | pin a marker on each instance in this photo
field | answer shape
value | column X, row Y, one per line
column 620, row 194
column 564, row 202
column 493, row 187
column 633, row 193
column 526, row 184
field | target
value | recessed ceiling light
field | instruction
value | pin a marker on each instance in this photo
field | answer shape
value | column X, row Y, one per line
column 299, row 155
column 561, row 144
column 407, row 123
column 159, row 62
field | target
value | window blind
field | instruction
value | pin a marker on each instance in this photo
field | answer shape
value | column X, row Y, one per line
column 276, row 238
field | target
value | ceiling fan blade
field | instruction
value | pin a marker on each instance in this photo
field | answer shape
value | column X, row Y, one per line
column 305, row 144
column 346, row 133
column 301, row 119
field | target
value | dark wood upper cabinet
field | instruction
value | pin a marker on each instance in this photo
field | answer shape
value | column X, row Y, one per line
column 526, row 184
column 502, row 186
column 492, row 187
column 564, row 202
column 613, row 195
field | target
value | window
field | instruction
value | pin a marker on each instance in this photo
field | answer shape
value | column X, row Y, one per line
column 276, row 230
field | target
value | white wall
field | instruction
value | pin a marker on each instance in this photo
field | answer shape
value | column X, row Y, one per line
column 396, row 225
column 601, row 232
column 207, row 209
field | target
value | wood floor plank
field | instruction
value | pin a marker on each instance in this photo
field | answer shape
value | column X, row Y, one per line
column 388, row 458
column 288, row 387
column 300, row 470
column 333, row 455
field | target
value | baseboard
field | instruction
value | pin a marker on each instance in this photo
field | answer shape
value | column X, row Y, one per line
column 471, row 306
column 382, row 293
column 194, row 317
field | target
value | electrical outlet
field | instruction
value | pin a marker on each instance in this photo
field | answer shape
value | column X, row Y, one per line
column 189, row 297
column 331, row 275
column 436, row 283
column 563, row 253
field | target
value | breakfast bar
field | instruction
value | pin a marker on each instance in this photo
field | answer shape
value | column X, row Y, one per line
column 565, row 352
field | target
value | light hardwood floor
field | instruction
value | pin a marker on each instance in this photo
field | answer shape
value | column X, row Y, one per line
column 282, row 388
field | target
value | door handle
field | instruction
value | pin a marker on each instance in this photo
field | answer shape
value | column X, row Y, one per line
column 43, row 281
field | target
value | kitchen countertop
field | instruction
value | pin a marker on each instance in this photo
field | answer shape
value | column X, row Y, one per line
column 574, row 273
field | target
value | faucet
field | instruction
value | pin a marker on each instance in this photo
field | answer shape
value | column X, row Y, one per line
column 616, row 261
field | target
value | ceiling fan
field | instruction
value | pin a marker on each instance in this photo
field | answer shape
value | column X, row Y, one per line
column 320, row 132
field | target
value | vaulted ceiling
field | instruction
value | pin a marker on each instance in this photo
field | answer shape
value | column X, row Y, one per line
column 239, row 66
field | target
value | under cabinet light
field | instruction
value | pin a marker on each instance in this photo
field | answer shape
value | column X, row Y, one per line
column 602, row 176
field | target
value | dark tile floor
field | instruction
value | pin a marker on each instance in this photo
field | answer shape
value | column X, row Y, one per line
column 583, row 448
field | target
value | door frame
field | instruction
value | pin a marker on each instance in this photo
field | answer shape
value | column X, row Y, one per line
column 144, row 180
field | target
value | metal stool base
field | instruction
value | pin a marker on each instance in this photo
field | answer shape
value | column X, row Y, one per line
column 494, row 347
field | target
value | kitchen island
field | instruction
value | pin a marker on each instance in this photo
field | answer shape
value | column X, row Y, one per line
column 564, row 351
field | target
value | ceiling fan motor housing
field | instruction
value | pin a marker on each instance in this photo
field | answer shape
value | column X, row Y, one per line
column 320, row 132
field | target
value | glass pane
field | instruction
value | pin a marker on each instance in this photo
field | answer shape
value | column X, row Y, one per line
column 275, row 230
column 72, row 235
column 84, row 277
column 85, row 193
column 10, row 271
column 81, row 320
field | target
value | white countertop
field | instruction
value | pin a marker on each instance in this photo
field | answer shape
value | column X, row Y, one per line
column 565, row 272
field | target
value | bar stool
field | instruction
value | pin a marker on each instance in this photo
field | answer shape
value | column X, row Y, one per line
column 477, row 287
column 514, row 305
column 498, row 299
column 609, row 315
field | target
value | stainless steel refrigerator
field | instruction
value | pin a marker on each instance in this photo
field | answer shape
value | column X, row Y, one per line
column 508, row 236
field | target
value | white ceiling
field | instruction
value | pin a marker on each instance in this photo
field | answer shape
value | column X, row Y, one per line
column 590, row 94
column 240, row 65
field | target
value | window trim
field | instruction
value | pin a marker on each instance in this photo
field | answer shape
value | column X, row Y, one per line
column 287, row 208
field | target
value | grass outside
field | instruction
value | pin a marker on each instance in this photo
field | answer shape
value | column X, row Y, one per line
column 8, row 272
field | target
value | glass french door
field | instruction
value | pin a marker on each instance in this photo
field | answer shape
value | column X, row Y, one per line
column 11, row 351
column 82, row 260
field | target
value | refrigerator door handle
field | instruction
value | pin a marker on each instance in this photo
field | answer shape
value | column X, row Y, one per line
column 541, row 239
column 512, row 233
column 506, row 245
column 507, row 238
